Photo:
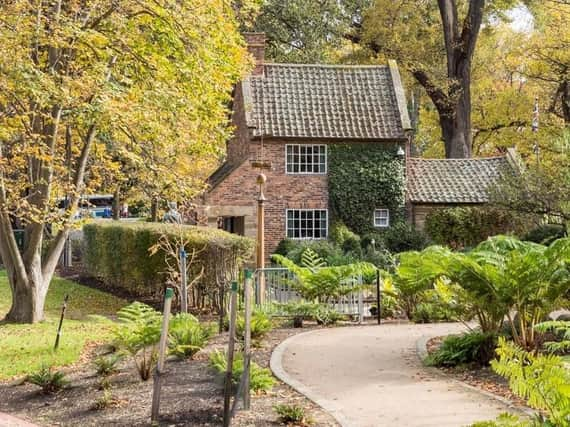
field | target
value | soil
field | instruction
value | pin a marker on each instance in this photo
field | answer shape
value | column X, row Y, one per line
column 481, row 377
column 191, row 394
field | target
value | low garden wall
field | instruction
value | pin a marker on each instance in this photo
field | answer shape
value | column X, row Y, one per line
column 119, row 254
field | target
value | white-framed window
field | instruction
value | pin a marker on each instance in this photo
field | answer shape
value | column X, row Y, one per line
column 306, row 158
column 307, row 223
column 381, row 218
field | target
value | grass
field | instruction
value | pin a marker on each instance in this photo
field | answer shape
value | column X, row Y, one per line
column 26, row 348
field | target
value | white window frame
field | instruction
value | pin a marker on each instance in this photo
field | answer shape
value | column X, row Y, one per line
column 377, row 215
column 326, row 229
column 325, row 166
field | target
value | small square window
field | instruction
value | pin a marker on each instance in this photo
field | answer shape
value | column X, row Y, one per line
column 381, row 218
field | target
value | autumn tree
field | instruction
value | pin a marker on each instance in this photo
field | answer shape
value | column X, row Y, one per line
column 302, row 31
column 548, row 51
column 152, row 78
column 435, row 42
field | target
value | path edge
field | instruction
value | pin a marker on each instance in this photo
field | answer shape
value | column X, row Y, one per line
column 275, row 363
column 422, row 353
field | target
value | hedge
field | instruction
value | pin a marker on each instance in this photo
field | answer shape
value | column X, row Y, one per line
column 118, row 254
column 464, row 227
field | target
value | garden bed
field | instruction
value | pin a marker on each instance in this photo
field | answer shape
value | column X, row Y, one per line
column 482, row 378
column 191, row 396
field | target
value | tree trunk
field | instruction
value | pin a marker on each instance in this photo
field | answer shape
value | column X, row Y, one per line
column 455, row 123
column 154, row 209
column 117, row 204
column 565, row 100
column 28, row 296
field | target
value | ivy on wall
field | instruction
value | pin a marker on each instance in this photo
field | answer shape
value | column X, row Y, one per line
column 364, row 177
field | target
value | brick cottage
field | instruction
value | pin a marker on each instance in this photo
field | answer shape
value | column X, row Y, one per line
column 286, row 116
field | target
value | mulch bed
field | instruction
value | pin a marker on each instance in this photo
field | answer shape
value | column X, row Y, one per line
column 480, row 377
column 191, row 395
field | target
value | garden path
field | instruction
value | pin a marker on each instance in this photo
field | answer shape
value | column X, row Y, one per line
column 10, row 421
column 371, row 376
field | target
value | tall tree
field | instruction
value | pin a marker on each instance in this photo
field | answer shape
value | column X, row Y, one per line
column 77, row 74
column 303, row 31
column 436, row 44
column 549, row 53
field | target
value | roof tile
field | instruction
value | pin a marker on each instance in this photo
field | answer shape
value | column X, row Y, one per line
column 454, row 180
column 323, row 101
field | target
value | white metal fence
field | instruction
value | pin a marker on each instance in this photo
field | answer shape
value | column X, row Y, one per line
column 279, row 284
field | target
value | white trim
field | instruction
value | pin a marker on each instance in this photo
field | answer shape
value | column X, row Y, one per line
column 307, row 210
column 307, row 145
column 380, row 217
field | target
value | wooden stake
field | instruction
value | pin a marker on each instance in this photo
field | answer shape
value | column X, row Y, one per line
column 161, row 356
column 230, row 360
column 184, row 282
column 63, row 308
column 247, row 341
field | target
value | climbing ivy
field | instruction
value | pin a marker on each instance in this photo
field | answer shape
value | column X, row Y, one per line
column 364, row 177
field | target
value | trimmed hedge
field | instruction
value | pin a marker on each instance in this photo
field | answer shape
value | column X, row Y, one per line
column 118, row 253
column 465, row 227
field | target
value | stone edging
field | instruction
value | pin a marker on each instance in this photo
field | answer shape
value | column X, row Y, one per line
column 422, row 353
column 276, row 366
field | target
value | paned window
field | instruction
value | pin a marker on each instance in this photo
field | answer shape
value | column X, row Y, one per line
column 307, row 223
column 381, row 218
column 303, row 158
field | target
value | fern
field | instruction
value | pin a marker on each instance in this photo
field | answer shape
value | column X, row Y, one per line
column 311, row 260
column 542, row 380
column 561, row 329
column 187, row 336
column 260, row 380
column 138, row 333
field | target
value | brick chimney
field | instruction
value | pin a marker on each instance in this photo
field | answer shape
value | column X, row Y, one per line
column 256, row 48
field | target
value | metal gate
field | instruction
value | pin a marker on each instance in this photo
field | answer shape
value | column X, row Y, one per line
column 279, row 285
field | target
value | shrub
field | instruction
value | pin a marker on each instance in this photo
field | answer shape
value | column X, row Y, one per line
column 118, row 253
column 137, row 334
column 471, row 348
column 292, row 414
column 107, row 365
column 285, row 246
column 403, row 237
column 462, row 227
column 187, row 336
column 432, row 312
column 325, row 315
column 107, row 400
column 325, row 249
column 50, row 381
column 344, row 238
column 546, row 234
column 260, row 380
column 260, row 326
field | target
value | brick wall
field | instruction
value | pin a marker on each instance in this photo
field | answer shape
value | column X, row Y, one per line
column 282, row 191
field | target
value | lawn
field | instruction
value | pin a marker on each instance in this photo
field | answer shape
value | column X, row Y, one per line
column 25, row 348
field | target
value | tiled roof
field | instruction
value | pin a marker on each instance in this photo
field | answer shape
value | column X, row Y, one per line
column 454, row 180
column 221, row 173
column 327, row 101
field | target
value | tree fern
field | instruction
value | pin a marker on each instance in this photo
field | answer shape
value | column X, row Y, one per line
column 311, row 260
column 561, row 329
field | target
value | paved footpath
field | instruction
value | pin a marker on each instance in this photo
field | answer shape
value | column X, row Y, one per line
column 10, row 421
column 371, row 376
